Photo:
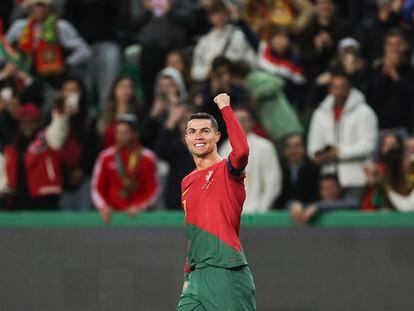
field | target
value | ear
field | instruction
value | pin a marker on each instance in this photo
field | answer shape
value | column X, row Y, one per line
column 217, row 137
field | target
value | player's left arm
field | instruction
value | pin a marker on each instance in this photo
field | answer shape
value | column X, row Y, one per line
column 239, row 154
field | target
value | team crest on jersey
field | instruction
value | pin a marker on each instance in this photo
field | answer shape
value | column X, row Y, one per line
column 209, row 180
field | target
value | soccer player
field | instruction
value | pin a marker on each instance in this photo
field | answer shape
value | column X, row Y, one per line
column 217, row 276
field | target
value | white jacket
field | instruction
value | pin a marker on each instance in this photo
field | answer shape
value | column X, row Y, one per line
column 402, row 203
column 212, row 44
column 354, row 135
column 263, row 174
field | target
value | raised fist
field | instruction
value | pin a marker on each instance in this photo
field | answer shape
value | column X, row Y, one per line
column 222, row 100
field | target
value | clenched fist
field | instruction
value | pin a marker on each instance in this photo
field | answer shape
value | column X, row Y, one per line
column 222, row 100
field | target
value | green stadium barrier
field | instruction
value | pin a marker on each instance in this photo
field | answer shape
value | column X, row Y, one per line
column 174, row 219
column 344, row 261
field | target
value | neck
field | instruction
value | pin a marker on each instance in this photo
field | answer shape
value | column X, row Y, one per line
column 221, row 27
column 40, row 19
column 207, row 161
column 339, row 103
column 131, row 146
column 296, row 162
column 122, row 107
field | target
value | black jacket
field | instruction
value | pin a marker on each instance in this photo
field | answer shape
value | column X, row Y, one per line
column 306, row 187
column 170, row 148
column 393, row 101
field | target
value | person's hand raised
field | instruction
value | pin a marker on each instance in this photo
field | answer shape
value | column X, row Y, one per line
column 222, row 100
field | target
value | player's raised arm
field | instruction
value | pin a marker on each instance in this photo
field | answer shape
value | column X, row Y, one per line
column 238, row 141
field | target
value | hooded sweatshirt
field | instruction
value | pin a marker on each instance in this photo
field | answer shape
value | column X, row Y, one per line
column 354, row 135
column 178, row 79
column 151, row 126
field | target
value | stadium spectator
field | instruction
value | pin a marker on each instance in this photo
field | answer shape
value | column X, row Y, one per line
column 354, row 11
column 223, row 39
column 220, row 81
column 342, row 135
column 377, row 61
column 9, row 109
column 34, row 160
column 409, row 157
column 3, row 181
column 278, row 57
column 409, row 146
column 80, row 149
column 158, row 30
column 238, row 20
column 170, row 147
column 349, row 61
column 373, row 28
column 26, row 86
column 6, row 8
column 332, row 198
column 263, row 174
column 407, row 12
column 319, row 40
column 169, row 91
column 50, row 44
column 397, row 184
column 121, row 100
column 199, row 23
column 299, row 175
column 263, row 15
column 392, row 84
column 274, row 111
column 98, row 22
column 125, row 175
column 178, row 60
column 240, row 70
column 373, row 197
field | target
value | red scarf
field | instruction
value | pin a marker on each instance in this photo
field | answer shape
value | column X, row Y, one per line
column 47, row 55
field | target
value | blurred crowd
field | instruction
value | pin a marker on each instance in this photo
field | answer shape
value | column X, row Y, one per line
column 95, row 94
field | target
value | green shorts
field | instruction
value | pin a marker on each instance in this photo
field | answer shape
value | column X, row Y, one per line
column 215, row 289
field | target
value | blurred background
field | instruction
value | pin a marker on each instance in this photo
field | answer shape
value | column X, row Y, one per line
column 94, row 98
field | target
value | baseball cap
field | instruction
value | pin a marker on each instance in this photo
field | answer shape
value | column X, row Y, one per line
column 348, row 43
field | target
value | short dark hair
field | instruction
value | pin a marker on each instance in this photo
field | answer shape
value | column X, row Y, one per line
column 217, row 7
column 340, row 73
column 249, row 111
column 395, row 32
column 277, row 30
column 205, row 116
column 291, row 135
column 221, row 61
column 241, row 69
column 332, row 177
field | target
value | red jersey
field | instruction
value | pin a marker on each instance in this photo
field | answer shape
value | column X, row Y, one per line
column 43, row 167
column 212, row 199
column 107, row 182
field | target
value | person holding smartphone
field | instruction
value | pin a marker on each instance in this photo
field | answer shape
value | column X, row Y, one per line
column 343, row 133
